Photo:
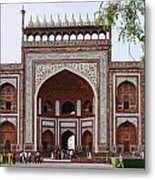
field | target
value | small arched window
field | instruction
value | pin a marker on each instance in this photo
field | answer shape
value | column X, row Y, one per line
column 126, row 99
column 72, row 37
column 44, row 37
column 87, row 36
column 68, row 108
column 94, row 36
column 51, row 37
column 65, row 37
column 47, row 107
column 37, row 38
column 30, row 38
column 58, row 37
column 80, row 36
column 101, row 36
column 8, row 99
column 87, row 107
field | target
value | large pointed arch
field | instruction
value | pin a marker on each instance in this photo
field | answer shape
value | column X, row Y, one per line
column 95, row 100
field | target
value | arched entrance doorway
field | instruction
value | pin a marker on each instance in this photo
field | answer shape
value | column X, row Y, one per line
column 87, row 140
column 65, row 96
column 126, row 135
column 7, row 135
column 47, row 142
column 64, row 139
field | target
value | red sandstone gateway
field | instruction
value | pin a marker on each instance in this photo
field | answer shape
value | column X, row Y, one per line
column 67, row 100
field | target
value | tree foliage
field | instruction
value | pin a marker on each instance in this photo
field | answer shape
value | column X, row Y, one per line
column 128, row 15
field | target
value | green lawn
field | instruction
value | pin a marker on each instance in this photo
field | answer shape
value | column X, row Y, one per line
column 134, row 163
column 128, row 163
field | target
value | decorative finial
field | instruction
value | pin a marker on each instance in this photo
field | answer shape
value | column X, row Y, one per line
column 73, row 22
column 87, row 20
column 66, row 23
column 95, row 19
column 52, row 21
column 23, row 10
column 22, row 7
column 59, row 21
column 44, row 22
column 80, row 20
column 37, row 23
column 30, row 24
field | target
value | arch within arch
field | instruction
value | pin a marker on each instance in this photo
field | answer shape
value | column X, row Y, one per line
column 126, row 135
column 95, row 102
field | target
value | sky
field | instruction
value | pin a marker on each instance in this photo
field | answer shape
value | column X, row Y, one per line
column 11, row 27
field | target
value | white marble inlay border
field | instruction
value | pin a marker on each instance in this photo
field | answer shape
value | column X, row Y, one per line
column 10, row 80
column 48, row 128
column 12, row 120
column 131, row 79
column 87, row 129
column 66, row 124
column 87, row 123
column 121, row 120
column 103, row 100
column 63, row 130
column 48, row 123
column 88, row 70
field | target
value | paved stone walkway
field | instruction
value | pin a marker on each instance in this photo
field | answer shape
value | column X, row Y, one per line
column 64, row 165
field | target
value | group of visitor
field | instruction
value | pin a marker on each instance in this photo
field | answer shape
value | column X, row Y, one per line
column 61, row 154
column 20, row 157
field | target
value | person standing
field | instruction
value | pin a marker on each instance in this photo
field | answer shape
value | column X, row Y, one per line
column 1, row 158
column 29, row 157
column 9, row 156
column 21, row 157
column 121, row 163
